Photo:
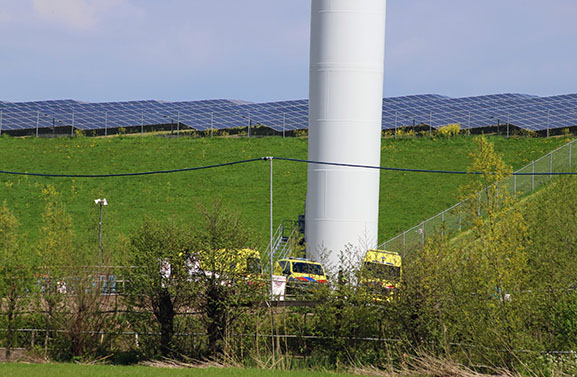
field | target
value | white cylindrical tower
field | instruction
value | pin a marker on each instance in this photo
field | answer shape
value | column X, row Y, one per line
column 345, row 112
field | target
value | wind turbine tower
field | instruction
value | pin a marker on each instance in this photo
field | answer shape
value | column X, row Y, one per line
column 345, row 111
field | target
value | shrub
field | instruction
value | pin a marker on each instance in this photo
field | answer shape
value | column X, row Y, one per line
column 449, row 130
column 301, row 133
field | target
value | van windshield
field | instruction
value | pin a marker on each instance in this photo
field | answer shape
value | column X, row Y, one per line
column 307, row 268
column 382, row 272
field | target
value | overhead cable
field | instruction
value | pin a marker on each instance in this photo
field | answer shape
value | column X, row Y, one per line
column 273, row 158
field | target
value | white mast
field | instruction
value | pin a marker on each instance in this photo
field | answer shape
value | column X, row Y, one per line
column 345, row 112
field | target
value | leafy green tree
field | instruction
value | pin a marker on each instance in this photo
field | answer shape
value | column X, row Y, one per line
column 16, row 274
column 55, row 251
column 158, row 280
column 490, row 262
column 467, row 288
column 223, row 290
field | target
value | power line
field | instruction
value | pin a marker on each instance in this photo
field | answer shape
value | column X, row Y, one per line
column 411, row 170
column 130, row 174
column 408, row 170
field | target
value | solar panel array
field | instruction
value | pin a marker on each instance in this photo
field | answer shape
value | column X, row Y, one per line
column 520, row 110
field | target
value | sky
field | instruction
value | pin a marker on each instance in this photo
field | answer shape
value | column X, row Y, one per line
column 258, row 50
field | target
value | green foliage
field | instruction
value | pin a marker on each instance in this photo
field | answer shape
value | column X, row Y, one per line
column 221, row 291
column 158, row 280
column 16, row 276
column 56, row 245
column 468, row 288
column 166, row 279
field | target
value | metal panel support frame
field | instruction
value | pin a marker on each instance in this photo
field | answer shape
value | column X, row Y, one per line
column 211, row 122
column 248, row 125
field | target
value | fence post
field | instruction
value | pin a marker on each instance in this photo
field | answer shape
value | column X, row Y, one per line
column 460, row 220
column 72, row 127
column 106, row 123
column 431, row 124
column 570, row 150
column 142, row 122
column 404, row 241
column 423, row 232
column 479, row 206
column 37, row 122
column 442, row 223
column 283, row 124
column 550, row 164
column 532, row 176
column 178, row 124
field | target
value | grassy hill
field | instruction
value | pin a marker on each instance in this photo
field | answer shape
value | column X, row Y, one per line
column 406, row 198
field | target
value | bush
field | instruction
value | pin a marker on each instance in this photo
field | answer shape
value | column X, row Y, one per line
column 449, row 130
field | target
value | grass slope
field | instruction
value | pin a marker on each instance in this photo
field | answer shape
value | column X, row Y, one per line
column 406, row 198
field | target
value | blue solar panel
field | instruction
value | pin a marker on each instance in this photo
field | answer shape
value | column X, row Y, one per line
column 520, row 110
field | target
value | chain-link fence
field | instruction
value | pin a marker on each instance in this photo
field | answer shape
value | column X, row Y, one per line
column 562, row 159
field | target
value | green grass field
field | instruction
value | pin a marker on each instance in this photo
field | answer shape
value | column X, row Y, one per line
column 406, row 198
column 73, row 370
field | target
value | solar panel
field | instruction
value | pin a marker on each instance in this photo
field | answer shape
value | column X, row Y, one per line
column 521, row 110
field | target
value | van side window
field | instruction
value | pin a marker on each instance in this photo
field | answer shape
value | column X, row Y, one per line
column 287, row 269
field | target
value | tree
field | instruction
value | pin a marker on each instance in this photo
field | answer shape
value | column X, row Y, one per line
column 16, row 274
column 158, row 280
column 458, row 289
column 217, row 241
column 55, row 250
column 490, row 262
